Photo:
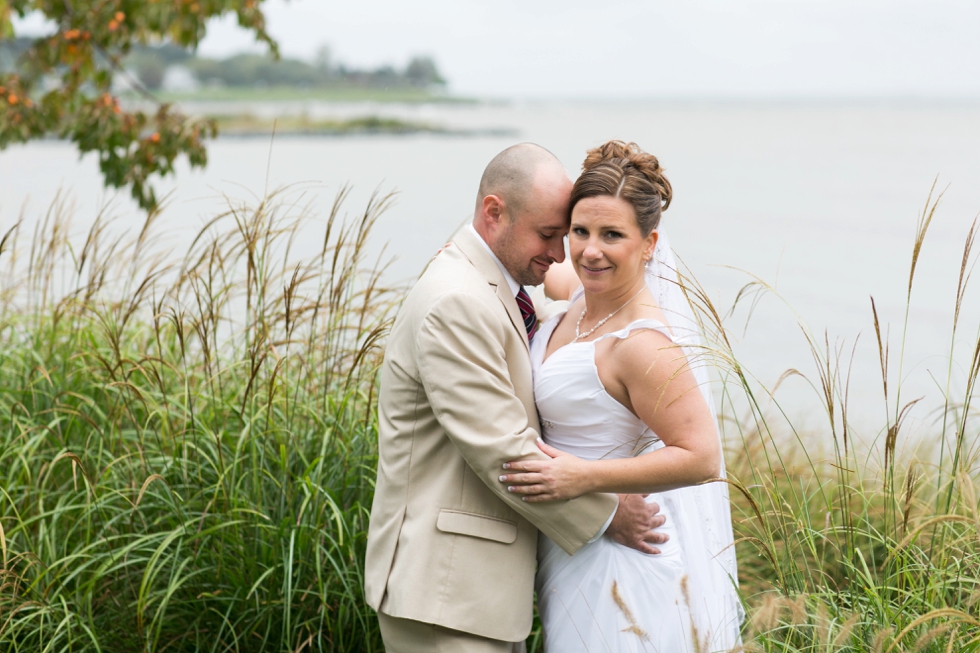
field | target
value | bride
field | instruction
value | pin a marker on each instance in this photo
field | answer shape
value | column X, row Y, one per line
column 616, row 376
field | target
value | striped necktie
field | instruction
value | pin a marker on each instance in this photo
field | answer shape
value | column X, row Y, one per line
column 527, row 312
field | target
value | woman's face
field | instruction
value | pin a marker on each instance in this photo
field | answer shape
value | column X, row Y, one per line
column 606, row 246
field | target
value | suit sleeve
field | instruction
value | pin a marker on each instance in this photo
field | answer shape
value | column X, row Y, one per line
column 466, row 379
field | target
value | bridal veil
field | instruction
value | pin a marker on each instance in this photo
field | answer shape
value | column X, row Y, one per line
column 702, row 512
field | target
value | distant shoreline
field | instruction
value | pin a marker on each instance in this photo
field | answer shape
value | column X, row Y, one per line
column 250, row 126
column 400, row 95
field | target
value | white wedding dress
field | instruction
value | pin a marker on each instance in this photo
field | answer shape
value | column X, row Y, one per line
column 607, row 597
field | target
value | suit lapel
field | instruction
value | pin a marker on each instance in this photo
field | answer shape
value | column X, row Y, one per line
column 477, row 254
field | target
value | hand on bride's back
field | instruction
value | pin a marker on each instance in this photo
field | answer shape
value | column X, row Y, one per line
column 635, row 524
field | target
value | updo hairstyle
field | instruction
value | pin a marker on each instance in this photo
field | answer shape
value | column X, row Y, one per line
column 618, row 169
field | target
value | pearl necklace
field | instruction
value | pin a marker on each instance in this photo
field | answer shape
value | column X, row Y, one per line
column 579, row 336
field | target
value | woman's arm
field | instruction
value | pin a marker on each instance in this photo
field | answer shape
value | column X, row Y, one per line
column 560, row 281
column 664, row 394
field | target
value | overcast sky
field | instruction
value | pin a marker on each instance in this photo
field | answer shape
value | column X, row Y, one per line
column 646, row 48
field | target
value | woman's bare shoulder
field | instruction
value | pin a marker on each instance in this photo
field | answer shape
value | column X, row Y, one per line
column 644, row 339
column 647, row 354
column 648, row 309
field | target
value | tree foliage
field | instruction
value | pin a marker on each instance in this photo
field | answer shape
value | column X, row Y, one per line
column 62, row 84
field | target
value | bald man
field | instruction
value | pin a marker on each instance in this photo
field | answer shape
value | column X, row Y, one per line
column 451, row 555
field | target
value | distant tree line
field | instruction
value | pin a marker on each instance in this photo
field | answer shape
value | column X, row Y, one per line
column 249, row 70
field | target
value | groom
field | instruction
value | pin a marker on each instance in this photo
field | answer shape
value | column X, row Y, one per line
column 451, row 555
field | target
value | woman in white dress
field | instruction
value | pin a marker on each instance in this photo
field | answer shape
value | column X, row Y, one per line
column 616, row 376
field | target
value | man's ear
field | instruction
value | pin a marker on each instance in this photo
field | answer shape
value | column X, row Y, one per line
column 493, row 211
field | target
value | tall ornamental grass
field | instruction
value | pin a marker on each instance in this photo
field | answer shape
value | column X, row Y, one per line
column 860, row 548
column 187, row 442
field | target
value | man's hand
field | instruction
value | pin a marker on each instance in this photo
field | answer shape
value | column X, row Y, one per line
column 635, row 523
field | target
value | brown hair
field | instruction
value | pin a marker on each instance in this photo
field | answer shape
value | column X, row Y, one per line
column 618, row 169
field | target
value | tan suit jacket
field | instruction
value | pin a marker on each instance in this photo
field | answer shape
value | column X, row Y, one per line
column 447, row 544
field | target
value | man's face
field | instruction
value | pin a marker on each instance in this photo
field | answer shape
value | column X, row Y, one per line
column 527, row 244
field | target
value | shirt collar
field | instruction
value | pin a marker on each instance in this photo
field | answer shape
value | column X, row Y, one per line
column 511, row 282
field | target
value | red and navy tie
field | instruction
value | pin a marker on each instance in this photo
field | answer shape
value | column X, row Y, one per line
column 527, row 312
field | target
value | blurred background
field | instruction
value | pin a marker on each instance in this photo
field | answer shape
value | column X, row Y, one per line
column 802, row 138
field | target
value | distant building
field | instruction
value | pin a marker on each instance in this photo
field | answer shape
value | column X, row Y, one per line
column 124, row 81
column 180, row 79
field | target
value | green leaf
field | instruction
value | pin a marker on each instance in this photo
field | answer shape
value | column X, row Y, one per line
column 6, row 27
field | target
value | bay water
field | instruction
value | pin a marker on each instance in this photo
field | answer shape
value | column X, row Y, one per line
column 818, row 199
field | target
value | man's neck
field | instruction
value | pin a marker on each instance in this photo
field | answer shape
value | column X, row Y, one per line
column 511, row 282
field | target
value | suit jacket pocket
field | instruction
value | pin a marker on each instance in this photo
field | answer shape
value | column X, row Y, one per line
column 474, row 525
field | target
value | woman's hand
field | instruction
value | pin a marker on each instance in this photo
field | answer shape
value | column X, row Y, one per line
column 562, row 477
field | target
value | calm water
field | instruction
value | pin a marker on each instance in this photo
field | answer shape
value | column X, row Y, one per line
column 818, row 199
